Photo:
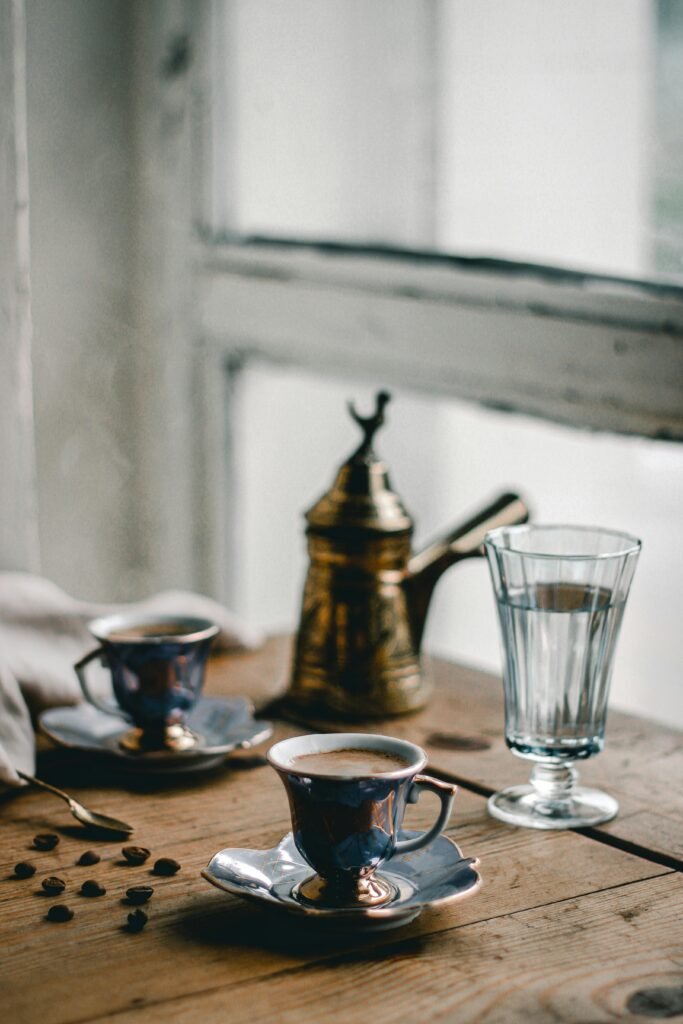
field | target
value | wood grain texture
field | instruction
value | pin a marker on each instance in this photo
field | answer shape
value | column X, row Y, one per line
column 202, row 936
column 577, row 960
column 564, row 928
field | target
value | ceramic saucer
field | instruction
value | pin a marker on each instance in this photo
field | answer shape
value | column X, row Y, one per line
column 435, row 875
column 223, row 724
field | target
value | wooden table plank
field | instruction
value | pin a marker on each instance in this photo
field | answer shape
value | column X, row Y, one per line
column 564, row 929
column 579, row 959
column 200, row 935
column 641, row 765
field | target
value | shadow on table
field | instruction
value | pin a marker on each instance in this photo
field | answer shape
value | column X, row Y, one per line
column 75, row 768
column 236, row 924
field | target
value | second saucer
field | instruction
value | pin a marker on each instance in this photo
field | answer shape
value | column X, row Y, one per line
column 223, row 724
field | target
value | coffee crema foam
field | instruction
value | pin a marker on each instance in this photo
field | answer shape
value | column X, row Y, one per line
column 350, row 762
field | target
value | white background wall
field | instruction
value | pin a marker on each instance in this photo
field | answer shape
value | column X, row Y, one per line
column 523, row 130
column 80, row 214
column 546, row 131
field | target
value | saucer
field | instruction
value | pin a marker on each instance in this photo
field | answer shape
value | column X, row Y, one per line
column 222, row 724
column 433, row 876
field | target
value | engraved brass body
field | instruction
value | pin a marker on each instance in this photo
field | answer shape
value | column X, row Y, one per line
column 366, row 595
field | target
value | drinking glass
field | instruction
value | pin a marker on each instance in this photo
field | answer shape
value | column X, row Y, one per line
column 560, row 594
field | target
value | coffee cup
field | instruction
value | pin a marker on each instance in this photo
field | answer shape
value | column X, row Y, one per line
column 157, row 666
column 347, row 796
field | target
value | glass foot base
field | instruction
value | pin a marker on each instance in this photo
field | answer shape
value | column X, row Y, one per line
column 523, row 805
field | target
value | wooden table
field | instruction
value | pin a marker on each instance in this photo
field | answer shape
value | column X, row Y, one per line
column 567, row 927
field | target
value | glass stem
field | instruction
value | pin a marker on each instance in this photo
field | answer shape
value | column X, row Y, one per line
column 554, row 785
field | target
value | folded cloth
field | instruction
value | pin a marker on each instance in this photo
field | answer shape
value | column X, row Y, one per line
column 43, row 632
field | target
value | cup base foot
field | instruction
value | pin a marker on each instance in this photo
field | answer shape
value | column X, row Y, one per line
column 522, row 805
column 369, row 892
column 174, row 738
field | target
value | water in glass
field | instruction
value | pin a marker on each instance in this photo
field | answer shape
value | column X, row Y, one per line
column 558, row 640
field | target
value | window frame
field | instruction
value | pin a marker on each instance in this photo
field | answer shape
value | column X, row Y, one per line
column 583, row 349
column 586, row 350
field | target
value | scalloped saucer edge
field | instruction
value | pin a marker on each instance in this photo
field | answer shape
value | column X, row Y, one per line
column 433, row 876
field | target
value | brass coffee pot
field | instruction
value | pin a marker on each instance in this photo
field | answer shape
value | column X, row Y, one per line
column 366, row 596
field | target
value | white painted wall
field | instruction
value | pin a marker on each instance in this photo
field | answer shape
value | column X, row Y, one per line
column 327, row 135
column 18, row 512
column 446, row 459
column 545, row 131
column 79, row 167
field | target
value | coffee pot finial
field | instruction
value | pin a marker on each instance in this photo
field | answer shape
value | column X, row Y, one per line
column 369, row 424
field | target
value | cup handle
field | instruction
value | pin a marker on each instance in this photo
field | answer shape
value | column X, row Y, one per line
column 79, row 669
column 446, row 794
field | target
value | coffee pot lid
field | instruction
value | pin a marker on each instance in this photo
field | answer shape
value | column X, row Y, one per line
column 361, row 496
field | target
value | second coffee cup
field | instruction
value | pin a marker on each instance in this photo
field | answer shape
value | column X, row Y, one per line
column 157, row 668
column 347, row 795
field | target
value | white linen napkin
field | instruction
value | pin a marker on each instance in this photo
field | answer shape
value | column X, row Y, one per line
column 43, row 633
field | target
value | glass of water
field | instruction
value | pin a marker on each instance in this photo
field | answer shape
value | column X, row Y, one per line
column 560, row 593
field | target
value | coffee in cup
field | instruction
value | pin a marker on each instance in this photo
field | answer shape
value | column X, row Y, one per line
column 349, row 762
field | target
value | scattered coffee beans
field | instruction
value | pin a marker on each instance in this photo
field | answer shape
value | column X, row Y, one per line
column 166, row 866
column 137, row 921
column 24, row 869
column 88, row 858
column 139, row 894
column 92, row 888
column 45, row 841
column 53, row 885
column 60, row 912
column 135, row 854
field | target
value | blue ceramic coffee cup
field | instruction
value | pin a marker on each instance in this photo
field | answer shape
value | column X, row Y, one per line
column 347, row 825
column 157, row 668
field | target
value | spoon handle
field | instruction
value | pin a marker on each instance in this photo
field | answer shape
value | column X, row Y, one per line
column 44, row 785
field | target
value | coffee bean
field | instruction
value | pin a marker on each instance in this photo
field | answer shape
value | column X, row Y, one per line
column 137, row 921
column 53, row 885
column 166, row 866
column 88, row 858
column 139, row 894
column 45, row 841
column 60, row 912
column 24, row 869
column 135, row 854
column 92, row 888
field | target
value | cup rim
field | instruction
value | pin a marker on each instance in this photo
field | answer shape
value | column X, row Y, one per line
column 282, row 752
column 631, row 545
column 197, row 628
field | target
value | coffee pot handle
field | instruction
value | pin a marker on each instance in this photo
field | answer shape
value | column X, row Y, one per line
column 79, row 669
column 446, row 794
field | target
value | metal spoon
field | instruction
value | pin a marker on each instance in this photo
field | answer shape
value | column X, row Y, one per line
column 81, row 813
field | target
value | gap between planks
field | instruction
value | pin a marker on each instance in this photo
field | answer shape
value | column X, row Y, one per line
column 625, row 845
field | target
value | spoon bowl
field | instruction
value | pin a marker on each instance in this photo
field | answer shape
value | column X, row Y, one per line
column 91, row 819
column 99, row 821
